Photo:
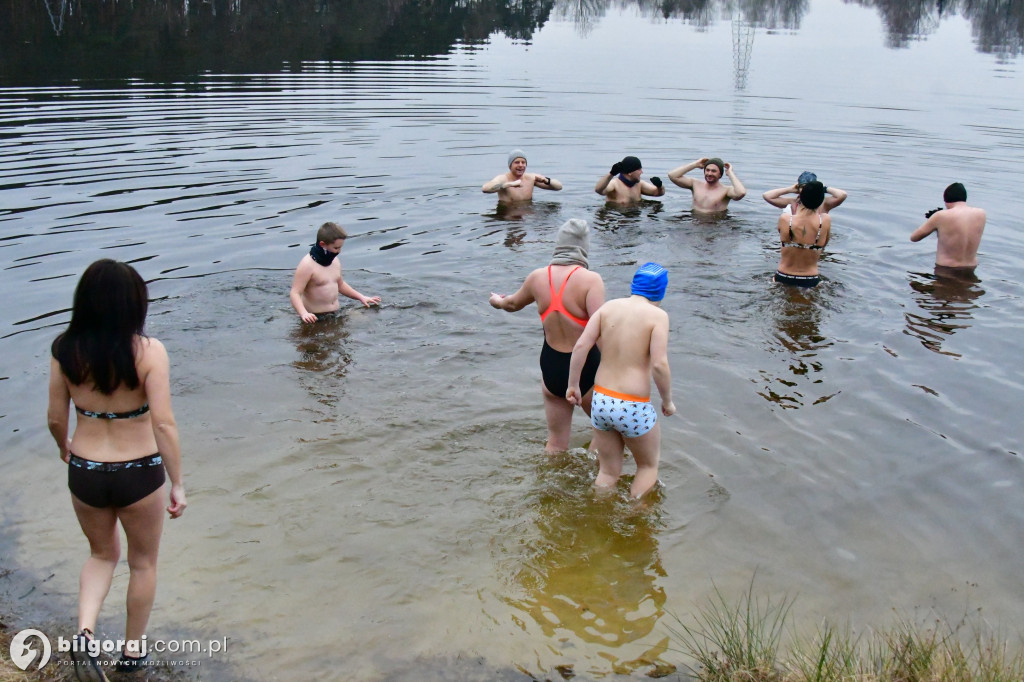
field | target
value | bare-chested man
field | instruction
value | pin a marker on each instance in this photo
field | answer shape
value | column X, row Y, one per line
column 568, row 288
column 779, row 198
column 622, row 184
column 634, row 347
column 517, row 184
column 709, row 195
column 318, row 281
column 959, row 227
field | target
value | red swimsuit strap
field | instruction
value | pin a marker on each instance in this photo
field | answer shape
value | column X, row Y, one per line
column 556, row 304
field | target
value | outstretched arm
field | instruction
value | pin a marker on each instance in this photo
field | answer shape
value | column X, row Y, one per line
column 737, row 191
column 926, row 229
column 775, row 197
column 545, row 182
column 516, row 301
column 591, row 333
column 836, row 197
column 659, row 365
column 678, row 175
column 345, row 289
column 499, row 183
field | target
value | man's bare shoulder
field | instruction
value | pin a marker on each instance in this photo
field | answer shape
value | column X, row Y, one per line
column 961, row 216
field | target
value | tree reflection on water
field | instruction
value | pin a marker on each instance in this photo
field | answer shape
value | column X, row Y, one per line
column 70, row 38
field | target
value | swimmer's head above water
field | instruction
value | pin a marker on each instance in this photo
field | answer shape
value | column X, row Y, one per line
column 954, row 193
column 572, row 244
column 630, row 164
column 516, row 154
column 650, row 281
column 812, row 195
column 805, row 177
column 710, row 174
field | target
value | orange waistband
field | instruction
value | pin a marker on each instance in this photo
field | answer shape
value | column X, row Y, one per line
column 621, row 396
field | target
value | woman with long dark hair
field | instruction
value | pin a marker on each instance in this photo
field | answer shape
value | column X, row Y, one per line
column 125, row 446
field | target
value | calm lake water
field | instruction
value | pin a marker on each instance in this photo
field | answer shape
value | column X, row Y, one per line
column 369, row 497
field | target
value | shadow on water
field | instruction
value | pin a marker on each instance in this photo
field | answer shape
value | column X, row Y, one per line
column 587, row 565
column 946, row 300
column 797, row 315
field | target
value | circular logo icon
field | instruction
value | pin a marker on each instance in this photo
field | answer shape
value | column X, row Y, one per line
column 22, row 654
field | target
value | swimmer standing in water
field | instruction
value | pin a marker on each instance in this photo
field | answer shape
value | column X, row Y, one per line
column 709, row 195
column 959, row 228
column 567, row 287
column 803, row 237
column 318, row 281
column 622, row 184
column 779, row 197
column 517, row 185
column 633, row 333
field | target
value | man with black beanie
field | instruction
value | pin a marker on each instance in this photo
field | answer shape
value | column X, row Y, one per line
column 622, row 184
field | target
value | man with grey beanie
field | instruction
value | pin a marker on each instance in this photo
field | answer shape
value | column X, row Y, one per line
column 517, row 184
column 567, row 287
column 709, row 195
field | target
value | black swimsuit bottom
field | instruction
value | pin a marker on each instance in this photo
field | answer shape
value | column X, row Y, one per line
column 554, row 368
column 114, row 484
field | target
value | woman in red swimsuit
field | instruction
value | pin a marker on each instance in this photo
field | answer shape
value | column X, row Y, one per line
column 568, row 288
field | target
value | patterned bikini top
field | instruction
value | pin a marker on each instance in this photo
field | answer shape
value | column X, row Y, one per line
column 113, row 415
column 797, row 245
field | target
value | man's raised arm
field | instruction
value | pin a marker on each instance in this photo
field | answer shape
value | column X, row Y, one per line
column 678, row 175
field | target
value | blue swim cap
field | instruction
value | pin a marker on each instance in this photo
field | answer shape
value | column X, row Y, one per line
column 650, row 282
column 805, row 177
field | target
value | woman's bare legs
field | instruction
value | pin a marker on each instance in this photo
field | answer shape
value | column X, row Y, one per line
column 558, row 412
column 100, row 528
column 143, row 524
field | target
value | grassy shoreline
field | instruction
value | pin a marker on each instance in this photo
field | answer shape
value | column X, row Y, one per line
column 750, row 640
